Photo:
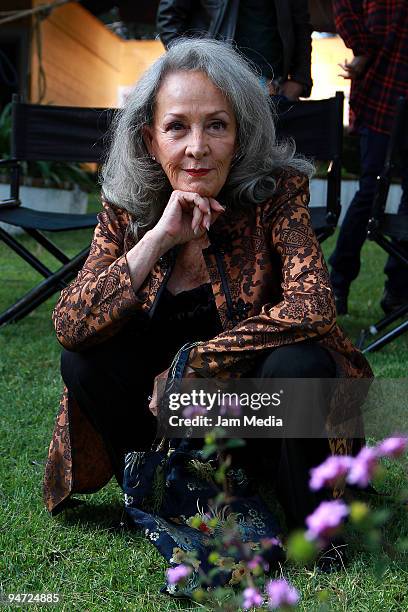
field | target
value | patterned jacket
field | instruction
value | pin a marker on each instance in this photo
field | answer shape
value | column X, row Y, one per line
column 271, row 287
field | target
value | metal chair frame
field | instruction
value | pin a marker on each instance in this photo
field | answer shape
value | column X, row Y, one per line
column 25, row 146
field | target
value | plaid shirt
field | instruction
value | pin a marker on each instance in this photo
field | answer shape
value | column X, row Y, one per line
column 379, row 30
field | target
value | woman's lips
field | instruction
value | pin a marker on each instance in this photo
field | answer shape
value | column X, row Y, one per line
column 199, row 172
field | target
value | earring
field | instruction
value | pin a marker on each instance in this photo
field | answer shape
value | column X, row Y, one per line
column 153, row 157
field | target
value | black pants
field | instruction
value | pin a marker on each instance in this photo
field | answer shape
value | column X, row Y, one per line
column 345, row 260
column 111, row 383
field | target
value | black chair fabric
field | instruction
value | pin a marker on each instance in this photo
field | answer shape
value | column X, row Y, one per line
column 49, row 133
column 59, row 133
column 27, row 218
column 316, row 126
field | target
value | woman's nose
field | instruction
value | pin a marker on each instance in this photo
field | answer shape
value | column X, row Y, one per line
column 197, row 145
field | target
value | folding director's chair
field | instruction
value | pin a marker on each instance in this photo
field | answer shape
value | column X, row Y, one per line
column 389, row 231
column 317, row 129
column 48, row 133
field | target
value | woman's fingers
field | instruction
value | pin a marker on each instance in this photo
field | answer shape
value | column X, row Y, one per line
column 204, row 210
column 197, row 218
column 216, row 205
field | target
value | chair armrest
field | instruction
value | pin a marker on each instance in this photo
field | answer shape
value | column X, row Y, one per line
column 9, row 203
column 13, row 165
column 9, row 162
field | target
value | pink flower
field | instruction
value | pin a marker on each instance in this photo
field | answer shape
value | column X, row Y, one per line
column 191, row 411
column 258, row 561
column 326, row 519
column 269, row 542
column 326, row 474
column 392, row 447
column 281, row 593
column 231, row 408
column 363, row 467
column 252, row 598
column 175, row 574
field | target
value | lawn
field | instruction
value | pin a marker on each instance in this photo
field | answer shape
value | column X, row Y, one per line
column 85, row 554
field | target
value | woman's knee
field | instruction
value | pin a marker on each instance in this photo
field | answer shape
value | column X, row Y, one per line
column 298, row 361
column 80, row 369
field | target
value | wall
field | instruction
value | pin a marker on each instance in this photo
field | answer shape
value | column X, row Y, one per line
column 84, row 63
column 327, row 53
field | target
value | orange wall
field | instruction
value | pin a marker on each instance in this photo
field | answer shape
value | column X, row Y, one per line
column 84, row 63
column 327, row 53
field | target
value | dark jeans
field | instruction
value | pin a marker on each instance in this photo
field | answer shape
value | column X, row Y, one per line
column 111, row 383
column 345, row 260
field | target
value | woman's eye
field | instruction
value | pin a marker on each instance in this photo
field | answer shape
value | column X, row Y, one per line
column 218, row 125
column 176, row 126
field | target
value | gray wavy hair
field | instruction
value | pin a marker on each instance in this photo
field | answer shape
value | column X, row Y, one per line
column 131, row 180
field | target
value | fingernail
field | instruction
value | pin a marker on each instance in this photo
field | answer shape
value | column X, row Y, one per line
column 207, row 225
column 196, row 229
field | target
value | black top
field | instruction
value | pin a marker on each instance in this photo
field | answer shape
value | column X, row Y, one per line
column 257, row 36
column 188, row 316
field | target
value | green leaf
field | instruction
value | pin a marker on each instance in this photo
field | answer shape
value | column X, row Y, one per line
column 300, row 549
column 209, row 450
column 235, row 443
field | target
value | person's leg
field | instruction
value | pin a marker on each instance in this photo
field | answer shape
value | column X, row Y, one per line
column 111, row 383
column 288, row 461
column 396, row 284
column 345, row 260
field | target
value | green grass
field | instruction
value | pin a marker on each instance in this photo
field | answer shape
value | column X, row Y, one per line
column 85, row 554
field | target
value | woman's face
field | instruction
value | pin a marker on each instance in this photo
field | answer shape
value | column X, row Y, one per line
column 193, row 135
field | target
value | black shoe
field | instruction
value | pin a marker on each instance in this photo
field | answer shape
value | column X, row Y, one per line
column 391, row 302
column 341, row 303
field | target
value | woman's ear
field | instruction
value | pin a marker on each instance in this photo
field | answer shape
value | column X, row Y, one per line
column 147, row 135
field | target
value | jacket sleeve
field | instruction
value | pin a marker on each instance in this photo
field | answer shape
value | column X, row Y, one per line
column 300, row 69
column 172, row 19
column 350, row 24
column 307, row 307
column 97, row 303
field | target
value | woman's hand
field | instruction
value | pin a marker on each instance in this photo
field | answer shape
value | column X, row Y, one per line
column 186, row 217
column 157, row 395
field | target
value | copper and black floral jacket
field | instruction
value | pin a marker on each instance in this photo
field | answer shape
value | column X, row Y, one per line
column 271, row 287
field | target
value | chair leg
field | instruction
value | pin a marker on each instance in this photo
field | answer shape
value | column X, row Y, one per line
column 390, row 248
column 374, row 329
column 44, row 290
column 47, row 244
column 386, row 338
column 325, row 233
column 25, row 254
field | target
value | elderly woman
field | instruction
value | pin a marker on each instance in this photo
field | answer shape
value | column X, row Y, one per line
column 204, row 258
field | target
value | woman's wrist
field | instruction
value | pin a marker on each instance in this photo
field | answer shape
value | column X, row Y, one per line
column 162, row 241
